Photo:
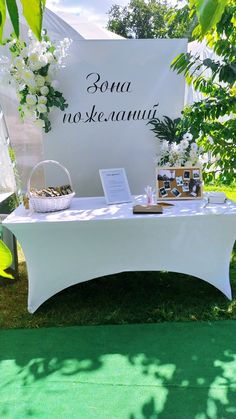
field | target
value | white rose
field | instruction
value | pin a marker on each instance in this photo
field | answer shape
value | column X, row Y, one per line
column 31, row 99
column 40, row 80
column 39, row 123
column 188, row 136
column 27, row 75
column 42, row 108
column 44, row 90
column 42, row 99
column 34, row 66
column 33, row 57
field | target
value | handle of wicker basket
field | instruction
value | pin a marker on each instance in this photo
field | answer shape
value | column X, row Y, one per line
column 41, row 163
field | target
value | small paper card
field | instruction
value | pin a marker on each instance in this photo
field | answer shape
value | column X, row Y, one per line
column 115, row 186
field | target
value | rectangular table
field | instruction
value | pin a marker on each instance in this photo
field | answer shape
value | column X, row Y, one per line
column 91, row 239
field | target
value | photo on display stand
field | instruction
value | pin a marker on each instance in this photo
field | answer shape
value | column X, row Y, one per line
column 186, row 175
column 175, row 192
column 185, row 187
column 167, row 184
column 179, row 183
column 196, row 174
column 166, row 174
column 163, row 192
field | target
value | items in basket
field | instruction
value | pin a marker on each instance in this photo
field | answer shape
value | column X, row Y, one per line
column 52, row 198
column 52, row 191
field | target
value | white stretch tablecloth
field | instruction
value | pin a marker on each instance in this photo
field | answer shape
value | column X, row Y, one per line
column 91, row 239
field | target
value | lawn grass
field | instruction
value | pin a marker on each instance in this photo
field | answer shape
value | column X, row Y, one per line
column 136, row 297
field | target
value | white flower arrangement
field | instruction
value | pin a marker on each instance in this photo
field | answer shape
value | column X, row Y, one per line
column 184, row 153
column 32, row 69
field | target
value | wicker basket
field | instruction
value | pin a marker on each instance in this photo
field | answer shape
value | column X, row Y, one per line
column 51, row 203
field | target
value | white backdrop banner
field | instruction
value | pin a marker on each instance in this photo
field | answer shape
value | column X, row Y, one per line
column 113, row 88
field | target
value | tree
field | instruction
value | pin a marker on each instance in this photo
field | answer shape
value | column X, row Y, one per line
column 212, row 119
column 151, row 19
column 32, row 11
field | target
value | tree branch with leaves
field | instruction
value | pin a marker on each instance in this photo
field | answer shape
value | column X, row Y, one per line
column 212, row 119
column 32, row 11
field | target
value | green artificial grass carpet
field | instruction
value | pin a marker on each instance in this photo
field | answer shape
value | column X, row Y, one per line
column 165, row 370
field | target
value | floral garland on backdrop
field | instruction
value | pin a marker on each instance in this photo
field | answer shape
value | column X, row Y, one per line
column 32, row 71
column 184, row 153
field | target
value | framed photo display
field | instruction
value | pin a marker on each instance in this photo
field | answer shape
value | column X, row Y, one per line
column 179, row 183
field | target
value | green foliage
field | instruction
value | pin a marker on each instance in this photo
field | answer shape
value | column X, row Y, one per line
column 55, row 98
column 166, row 129
column 149, row 19
column 212, row 120
column 11, row 154
column 209, row 13
column 14, row 16
column 5, row 260
column 47, row 123
column 2, row 17
column 32, row 11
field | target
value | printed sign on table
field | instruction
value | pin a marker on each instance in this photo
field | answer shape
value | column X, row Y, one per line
column 115, row 185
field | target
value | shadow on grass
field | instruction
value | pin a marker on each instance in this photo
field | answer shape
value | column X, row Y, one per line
column 168, row 370
column 165, row 371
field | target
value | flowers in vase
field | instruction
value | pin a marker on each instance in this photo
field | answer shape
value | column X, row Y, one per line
column 32, row 71
column 184, row 153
